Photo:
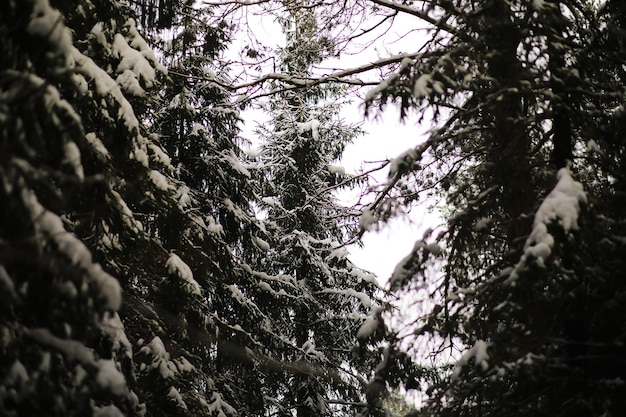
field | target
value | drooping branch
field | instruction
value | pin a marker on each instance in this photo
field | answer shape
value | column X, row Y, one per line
column 295, row 82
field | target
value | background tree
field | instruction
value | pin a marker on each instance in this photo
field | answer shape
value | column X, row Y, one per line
column 517, row 108
column 323, row 297
column 526, row 98
column 113, row 162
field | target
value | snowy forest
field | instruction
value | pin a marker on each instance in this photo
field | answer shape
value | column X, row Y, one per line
column 155, row 262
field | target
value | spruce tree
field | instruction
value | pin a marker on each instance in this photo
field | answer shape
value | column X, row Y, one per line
column 215, row 226
column 524, row 94
column 109, row 319
column 319, row 298
column 73, row 149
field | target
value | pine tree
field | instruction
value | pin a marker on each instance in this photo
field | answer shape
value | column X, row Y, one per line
column 215, row 225
column 73, row 148
column 319, row 297
column 523, row 94
column 90, row 193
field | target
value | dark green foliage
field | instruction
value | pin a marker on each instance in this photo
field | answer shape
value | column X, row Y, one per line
column 529, row 91
column 134, row 273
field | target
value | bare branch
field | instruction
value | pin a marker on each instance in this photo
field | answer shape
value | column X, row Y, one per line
column 422, row 15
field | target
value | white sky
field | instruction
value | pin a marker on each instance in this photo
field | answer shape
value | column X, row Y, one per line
column 385, row 138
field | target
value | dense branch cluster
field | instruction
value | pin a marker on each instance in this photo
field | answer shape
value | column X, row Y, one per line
column 150, row 266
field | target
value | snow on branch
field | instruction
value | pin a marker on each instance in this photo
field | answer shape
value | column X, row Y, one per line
column 47, row 23
column 480, row 355
column 108, row 377
column 50, row 226
column 562, row 206
column 178, row 268
column 292, row 82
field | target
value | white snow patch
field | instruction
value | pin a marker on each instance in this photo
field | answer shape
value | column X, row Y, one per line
column 126, row 213
column 562, row 205
column 6, row 283
column 217, row 406
column 439, row 87
column 538, row 4
column 214, row 227
column 252, row 153
column 421, row 87
column 337, row 169
column 128, row 81
column 592, row 146
column 159, row 180
column 137, row 42
column 47, row 23
column 312, row 125
column 160, row 156
column 403, row 162
column 176, row 266
column 370, row 325
column 17, row 375
column 339, row 253
column 363, row 298
column 433, row 248
column 184, row 365
column 160, row 358
column 108, row 376
column 261, row 244
column 107, row 411
column 72, row 158
column 113, row 327
column 234, row 162
column 184, row 199
column 367, row 219
column 97, row 145
column 270, row 201
column 480, row 355
column 364, row 276
column 176, row 397
column 133, row 61
column 384, row 85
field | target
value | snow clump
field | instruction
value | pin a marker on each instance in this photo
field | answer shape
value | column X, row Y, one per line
column 562, row 205
column 480, row 355
column 176, row 267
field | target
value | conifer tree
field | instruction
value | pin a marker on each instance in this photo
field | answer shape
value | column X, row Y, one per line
column 523, row 94
column 74, row 154
column 320, row 298
column 90, row 194
column 215, row 226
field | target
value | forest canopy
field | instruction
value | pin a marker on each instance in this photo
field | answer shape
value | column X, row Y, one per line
column 152, row 265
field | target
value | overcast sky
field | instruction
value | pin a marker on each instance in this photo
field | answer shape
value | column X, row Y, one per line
column 385, row 137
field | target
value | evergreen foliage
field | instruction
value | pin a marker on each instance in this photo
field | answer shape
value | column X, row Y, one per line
column 322, row 297
column 132, row 263
column 148, row 268
column 524, row 94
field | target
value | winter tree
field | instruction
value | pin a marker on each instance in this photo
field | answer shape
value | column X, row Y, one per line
column 526, row 99
column 73, row 153
column 523, row 94
column 132, row 262
column 92, row 197
column 324, row 298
